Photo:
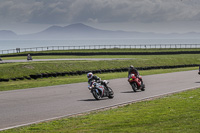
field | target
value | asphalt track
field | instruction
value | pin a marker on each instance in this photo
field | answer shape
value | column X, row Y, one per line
column 28, row 106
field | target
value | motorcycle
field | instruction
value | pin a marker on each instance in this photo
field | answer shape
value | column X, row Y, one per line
column 136, row 83
column 99, row 90
column 199, row 70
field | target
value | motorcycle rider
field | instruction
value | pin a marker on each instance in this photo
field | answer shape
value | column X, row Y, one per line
column 29, row 57
column 133, row 70
column 92, row 77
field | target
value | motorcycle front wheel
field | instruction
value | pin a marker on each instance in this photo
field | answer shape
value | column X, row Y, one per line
column 96, row 94
column 134, row 86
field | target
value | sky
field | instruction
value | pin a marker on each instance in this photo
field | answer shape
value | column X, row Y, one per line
column 159, row 16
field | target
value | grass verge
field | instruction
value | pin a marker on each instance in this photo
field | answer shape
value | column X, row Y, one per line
column 175, row 113
column 111, row 50
column 23, row 84
column 14, row 70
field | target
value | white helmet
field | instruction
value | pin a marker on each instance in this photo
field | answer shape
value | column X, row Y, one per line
column 89, row 75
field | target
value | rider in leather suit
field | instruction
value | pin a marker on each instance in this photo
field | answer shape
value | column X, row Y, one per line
column 92, row 77
column 133, row 70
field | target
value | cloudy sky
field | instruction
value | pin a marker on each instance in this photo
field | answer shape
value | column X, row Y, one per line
column 161, row 16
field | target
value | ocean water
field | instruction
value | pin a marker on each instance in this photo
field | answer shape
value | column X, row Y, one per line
column 13, row 44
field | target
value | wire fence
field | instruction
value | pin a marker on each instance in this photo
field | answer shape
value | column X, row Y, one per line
column 148, row 46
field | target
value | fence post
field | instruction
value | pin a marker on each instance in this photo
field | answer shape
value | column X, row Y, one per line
column 18, row 50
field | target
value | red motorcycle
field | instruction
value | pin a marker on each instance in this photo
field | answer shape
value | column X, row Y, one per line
column 136, row 83
column 199, row 70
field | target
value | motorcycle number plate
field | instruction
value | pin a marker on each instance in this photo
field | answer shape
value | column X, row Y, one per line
column 131, row 79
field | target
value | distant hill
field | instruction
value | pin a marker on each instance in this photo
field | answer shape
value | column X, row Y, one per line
column 75, row 28
column 6, row 34
column 80, row 30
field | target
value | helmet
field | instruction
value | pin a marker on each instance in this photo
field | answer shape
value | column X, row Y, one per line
column 89, row 75
column 131, row 66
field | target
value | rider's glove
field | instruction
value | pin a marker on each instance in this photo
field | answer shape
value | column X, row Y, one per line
column 90, row 88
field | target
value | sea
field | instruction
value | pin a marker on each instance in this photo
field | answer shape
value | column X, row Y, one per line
column 13, row 44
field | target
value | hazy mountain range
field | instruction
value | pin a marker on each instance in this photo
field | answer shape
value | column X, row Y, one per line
column 80, row 30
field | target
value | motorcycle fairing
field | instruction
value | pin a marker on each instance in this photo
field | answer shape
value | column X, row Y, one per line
column 100, row 88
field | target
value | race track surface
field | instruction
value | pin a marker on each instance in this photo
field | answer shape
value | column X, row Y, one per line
column 27, row 106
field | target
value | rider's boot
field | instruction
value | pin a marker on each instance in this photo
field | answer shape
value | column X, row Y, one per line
column 106, row 86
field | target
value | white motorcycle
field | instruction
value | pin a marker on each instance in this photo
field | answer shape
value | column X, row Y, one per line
column 99, row 90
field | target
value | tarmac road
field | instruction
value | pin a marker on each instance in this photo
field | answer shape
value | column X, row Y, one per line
column 28, row 106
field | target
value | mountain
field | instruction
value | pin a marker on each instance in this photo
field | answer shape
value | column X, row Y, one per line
column 80, row 30
column 75, row 28
column 6, row 34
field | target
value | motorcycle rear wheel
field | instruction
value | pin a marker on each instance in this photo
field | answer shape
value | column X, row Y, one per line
column 110, row 93
column 143, row 86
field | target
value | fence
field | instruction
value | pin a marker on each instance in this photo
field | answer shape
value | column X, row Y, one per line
column 148, row 46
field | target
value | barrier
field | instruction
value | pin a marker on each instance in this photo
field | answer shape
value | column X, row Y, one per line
column 91, row 47
column 106, row 53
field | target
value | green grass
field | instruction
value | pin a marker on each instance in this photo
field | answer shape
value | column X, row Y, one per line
column 17, row 55
column 23, row 84
column 175, row 113
column 113, row 50
column 13, row 70
column 178, row 113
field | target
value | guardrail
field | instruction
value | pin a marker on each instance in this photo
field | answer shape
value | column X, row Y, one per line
column 147, row 46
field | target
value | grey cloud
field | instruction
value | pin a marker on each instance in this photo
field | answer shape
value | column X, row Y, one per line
column 70, row 11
